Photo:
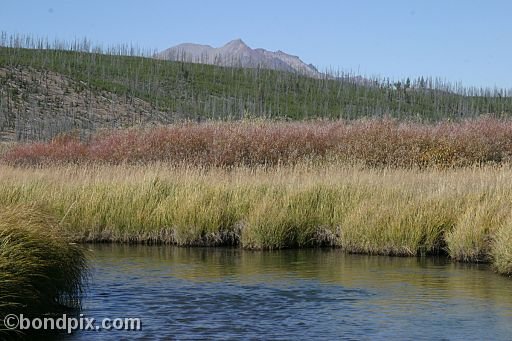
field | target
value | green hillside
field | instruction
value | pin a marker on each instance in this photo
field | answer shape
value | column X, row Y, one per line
column 47, row 91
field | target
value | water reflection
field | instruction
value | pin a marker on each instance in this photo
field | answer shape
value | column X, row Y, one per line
column 191, row 293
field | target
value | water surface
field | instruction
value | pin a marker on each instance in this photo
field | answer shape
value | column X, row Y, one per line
column 197, row 293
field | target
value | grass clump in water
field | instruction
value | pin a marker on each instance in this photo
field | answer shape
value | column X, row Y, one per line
column 502, row 249
column 41, row 272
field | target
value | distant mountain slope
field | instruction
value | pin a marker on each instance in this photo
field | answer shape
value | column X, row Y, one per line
column 38, row 104
column 44, row 92
column 237, row 53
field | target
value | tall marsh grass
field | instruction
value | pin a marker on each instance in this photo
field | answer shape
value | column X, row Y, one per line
column 372, row 142
column 464, row 213
column 41, row 271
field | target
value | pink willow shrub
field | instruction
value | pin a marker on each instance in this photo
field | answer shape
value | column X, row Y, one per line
column 373, row 142
column 63, row 149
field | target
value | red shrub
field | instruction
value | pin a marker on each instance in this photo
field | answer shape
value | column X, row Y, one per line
column 374, row 142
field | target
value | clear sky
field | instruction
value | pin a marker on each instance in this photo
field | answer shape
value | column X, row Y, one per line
column 459, row 40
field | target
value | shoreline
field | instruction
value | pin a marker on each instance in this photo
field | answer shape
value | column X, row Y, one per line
column 464, row 212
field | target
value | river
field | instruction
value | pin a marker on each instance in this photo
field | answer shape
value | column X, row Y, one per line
column 228, row 293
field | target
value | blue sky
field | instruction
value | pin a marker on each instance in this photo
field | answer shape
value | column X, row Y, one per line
column 467, row 41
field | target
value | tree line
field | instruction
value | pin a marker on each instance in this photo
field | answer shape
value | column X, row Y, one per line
column 176, row 90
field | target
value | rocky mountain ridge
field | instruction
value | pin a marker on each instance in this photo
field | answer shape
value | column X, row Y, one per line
column 237, row 53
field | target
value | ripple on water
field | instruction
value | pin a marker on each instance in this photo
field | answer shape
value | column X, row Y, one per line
column 197, row 293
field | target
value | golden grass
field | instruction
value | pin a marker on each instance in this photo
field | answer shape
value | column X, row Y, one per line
column 463, row 212
column 41, row 272
column 501, row 251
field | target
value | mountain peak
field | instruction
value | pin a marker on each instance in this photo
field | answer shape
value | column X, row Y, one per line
column 238, row 53
column 237, row 41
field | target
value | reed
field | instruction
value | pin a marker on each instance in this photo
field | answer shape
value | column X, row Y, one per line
column 41, row 271
column 501, row 251
column 407, row 212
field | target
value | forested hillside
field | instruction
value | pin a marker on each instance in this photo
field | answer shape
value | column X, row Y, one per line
column 45, row 91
